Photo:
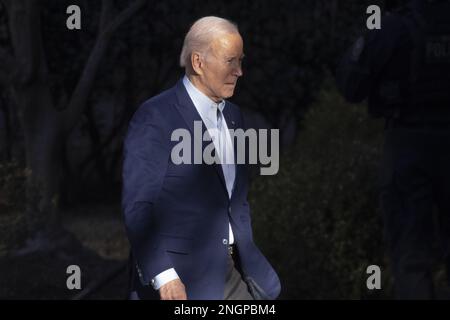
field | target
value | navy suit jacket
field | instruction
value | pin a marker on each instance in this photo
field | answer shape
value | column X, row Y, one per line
column 177, row 216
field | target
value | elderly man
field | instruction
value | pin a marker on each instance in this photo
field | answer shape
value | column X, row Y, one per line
column 189, row 224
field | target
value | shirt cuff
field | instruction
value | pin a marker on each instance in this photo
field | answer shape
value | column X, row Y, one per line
column 164, row 277
column 231, row 239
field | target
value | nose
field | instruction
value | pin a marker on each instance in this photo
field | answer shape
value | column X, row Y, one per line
column 238, row 71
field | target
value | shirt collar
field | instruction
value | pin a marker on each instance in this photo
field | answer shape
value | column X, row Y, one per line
column 205, row 106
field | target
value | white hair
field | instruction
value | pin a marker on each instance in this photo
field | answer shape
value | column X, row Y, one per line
column 201, row 34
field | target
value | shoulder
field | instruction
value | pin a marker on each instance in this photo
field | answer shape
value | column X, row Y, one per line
column 235, row 110
column 233, row 107
column 155, row 108
column 393, row 26
column 394, row 35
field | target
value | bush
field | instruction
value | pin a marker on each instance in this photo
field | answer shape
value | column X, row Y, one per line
column 12, row 206
column 317, row 220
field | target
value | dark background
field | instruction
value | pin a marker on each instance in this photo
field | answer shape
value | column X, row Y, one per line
column 66, row 98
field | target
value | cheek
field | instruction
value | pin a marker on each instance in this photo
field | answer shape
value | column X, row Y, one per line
column 228, row 90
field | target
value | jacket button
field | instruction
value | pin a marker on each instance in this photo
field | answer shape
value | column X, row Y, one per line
column 225, row 241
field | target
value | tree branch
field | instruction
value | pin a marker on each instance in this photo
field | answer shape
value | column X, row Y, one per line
column 25, row 29
column 79, row 97
column 8, row 74
column 7, row 4
column 107, row 14
column 122, row 18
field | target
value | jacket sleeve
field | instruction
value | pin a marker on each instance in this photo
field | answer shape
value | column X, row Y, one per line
column 146, row 152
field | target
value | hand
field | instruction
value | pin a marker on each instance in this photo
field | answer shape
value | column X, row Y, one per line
column 173, row 290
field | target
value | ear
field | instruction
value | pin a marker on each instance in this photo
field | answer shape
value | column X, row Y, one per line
column 197, row 62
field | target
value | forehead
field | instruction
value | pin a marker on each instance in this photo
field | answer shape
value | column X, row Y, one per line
column 228, row 45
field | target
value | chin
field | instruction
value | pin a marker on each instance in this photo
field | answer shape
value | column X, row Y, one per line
column 228, row 94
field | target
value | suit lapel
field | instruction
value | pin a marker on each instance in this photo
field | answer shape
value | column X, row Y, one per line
column 230, row 118
column 190, row 114
column 232, row 124
column 186, row 108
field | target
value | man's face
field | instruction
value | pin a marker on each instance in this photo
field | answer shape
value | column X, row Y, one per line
column 221, row 67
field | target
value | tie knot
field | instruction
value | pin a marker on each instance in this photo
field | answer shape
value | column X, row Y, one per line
column 216, row 114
